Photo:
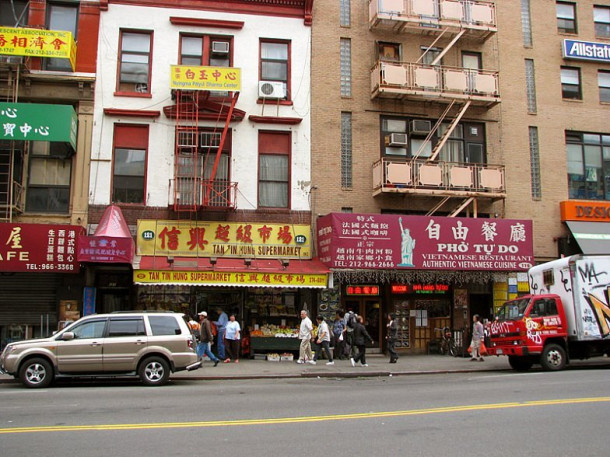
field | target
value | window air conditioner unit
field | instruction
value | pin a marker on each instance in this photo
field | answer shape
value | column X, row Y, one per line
column 419, row 127
column 220, row 47
column 271, row 89
column 399, row 140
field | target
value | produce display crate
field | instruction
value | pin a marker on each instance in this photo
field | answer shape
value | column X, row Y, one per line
column 286, row 358
column 273, row 357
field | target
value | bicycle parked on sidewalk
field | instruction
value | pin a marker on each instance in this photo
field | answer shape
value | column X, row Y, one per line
column 447, row 344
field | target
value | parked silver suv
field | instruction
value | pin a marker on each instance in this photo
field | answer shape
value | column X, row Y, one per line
column 148, row 345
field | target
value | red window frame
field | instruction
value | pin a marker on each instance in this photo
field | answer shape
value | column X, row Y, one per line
column 121, row 89
column 288, row 99
column 131, row 136
column 275, row 143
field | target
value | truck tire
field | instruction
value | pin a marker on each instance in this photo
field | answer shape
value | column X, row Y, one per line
column 553, row 357
column 36, row 373
column 520, row 363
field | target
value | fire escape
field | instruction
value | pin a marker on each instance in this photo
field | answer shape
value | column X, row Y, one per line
column 198, row 154
column 457, row 87
column 11, row 156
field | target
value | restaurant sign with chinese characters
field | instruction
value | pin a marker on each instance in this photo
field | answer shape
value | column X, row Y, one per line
column 233, row 278
column 38, row 122
column 389, row 241
column 41, row 248
column 189, row 77
column 38, row 43
column 105, row 249
column 223, row 239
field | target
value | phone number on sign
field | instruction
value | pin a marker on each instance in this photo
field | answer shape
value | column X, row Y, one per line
column 50, row 266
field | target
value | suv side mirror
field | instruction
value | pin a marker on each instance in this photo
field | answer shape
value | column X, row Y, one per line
column 67, row 336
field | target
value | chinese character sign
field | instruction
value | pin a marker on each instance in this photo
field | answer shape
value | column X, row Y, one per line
column 39, row 247
column 224, row 239
column 384, row 241
column 38, row 122
column 188, row 77
column 105, row 249
column 38, row 43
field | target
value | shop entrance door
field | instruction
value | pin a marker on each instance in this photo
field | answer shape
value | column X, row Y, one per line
column 370, row 310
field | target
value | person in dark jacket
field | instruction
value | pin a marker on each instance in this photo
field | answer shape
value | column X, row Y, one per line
column 360, row 338
column 392, row 336
column 206, row 338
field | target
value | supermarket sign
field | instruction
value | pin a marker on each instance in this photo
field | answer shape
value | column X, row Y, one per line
column 38, row 43
column 223, row 239
column 189, row 77
column 232, row 278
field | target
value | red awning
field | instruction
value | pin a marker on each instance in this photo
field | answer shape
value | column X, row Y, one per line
column 231, row 272
column 112, row 241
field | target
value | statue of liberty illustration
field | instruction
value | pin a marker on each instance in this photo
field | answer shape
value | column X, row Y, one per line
column 407, row 244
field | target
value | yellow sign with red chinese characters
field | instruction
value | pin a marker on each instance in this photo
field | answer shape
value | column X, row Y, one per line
column 190, row 77
column 245, row 279
column 223, row 239
column 38, row 43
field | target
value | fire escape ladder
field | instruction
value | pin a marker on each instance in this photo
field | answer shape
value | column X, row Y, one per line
column 187, row 175
column 464, row 204
column 437, row 206
column 229, row 114
column 433, row 130
column 447, row 134
column 448, row 47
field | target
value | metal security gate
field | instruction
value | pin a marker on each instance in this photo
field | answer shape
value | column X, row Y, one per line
column 25, row 297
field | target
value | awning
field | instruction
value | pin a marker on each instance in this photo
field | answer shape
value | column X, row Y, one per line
column 112, row 241
column 592, row 237
column 227, row 272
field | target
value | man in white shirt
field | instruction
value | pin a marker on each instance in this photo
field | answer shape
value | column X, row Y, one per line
column 305, row 337
column 323, row 341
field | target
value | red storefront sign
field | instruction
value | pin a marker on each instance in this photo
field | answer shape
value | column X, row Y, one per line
column 389, row 241
column 39, row 247
column 106, row 249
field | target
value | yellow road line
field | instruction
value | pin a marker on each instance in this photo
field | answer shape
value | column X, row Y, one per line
column 292, row 420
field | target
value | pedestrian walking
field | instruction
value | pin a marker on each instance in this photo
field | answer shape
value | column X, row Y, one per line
column 478, row 335
column 323, row 341
column 232, row 339
column 360, row 338
column 206, row 338
column 221, row 324
column 350, row 321
column 305, row 332
column 392, row 335
column 338, row 335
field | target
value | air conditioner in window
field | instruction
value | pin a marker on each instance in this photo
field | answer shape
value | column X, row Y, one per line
column 220, row 47
column 398, row 140
column 419, row 127
column 271, row 89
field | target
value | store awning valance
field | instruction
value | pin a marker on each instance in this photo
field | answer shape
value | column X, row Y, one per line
column 592, row 237
column 210, row 271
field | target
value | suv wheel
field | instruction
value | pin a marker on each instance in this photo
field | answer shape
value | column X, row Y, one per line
column 154, row 371
column 36, row 373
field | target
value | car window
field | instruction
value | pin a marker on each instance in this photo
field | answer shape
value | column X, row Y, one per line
column 164, row 325
column 126, row 327
column 90, row 329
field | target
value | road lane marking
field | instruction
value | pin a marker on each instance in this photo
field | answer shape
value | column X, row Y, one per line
column 294, row 420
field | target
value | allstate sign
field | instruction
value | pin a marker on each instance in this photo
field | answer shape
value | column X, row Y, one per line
column 586, row 50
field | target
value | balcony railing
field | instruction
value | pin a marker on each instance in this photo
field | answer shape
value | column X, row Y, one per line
column 193, row 194
column 438, row 178
column 434, row 82
column 475, row 18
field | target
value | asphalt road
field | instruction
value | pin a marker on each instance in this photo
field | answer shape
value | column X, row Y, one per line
column 477, row 414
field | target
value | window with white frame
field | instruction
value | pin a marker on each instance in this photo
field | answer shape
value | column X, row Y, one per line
column 601, row 16
column 566, row 17
column 570, row 83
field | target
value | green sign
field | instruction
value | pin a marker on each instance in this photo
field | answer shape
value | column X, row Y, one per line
column 38, row 122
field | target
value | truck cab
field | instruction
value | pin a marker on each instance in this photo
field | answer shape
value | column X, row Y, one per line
column 531, row 329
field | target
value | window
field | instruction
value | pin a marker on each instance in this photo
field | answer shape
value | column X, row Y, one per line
column 603, row 81
column 61, row 17
column 134, row 62
column 429, row 55
column 205, row 51
column 346, row 66
column 89, row 329
column 601, row 16
column 526, row 23
column 344, row 13
column 49, row 178
column 530, row 86
column 346, row 150
column 388, row 52
column 164, row 325
column 588, row 157
column 275, row 64
column 472, row 60
column 566, row 17
column 274, row 169
column 535, row 163
column 14, row 13
column 129, row 168
column 126, row 327
column 570, row 83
